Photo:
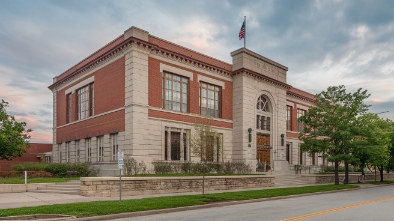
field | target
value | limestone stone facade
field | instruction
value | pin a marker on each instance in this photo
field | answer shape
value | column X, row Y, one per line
column 120, row 97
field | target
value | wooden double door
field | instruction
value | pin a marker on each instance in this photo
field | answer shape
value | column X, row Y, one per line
column 263, row 150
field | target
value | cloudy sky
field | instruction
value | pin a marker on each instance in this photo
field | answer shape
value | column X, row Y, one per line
column 324, row 43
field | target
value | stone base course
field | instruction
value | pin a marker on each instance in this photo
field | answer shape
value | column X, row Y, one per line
column 19, row 188
column 353, row 178
column 131, row 186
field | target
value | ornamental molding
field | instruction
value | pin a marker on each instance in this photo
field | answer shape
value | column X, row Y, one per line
column 300, row 97
column 144, row 46
column 262, row 77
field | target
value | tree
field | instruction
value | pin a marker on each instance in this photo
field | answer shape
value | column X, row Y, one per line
column 331, row 125
column 372, row 145
column 14, row 137
column 205, row 143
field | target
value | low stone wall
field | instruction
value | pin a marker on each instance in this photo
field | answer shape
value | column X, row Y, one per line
column 19, row 188
column 109, row 186
column 353, row 178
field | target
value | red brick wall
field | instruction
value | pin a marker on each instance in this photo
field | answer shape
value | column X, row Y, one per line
column 109, row 123
column 155, row 95
column 109, row 94
column 36, row 149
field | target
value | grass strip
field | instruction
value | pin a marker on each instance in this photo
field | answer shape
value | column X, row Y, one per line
column 98, row 208
column 16, row 180
column 384, row 182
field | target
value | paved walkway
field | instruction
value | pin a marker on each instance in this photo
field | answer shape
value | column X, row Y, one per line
column 17, row 200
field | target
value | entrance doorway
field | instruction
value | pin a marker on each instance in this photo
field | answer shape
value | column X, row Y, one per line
column 263, row 151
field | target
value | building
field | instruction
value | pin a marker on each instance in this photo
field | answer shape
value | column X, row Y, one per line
column 143, row 94
column 37, row 152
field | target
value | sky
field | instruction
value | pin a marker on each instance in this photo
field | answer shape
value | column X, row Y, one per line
column 323, row 43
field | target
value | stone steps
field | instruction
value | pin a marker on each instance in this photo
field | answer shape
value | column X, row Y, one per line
column 70, row 187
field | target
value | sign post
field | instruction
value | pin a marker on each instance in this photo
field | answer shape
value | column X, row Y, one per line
column 120, row 165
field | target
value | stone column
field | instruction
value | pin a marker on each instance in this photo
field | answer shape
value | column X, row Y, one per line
column 168, row 143
column 182, row 147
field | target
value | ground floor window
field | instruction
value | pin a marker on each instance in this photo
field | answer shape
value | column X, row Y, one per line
column 77, row 151
column 59, row 150
column 176, row 144
column 88, row 150
column 100, row 148
column 114, row 147
column 68, row 152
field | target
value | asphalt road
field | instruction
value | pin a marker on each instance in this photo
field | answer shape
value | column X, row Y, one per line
column 364, row 204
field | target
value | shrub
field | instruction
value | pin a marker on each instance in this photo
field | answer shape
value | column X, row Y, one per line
column 163, row 167
column 58, row 170
column 130, row 165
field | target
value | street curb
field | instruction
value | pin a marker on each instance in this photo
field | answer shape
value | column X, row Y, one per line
column 211, row 205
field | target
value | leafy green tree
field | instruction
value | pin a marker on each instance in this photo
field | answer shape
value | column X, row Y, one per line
column 14, row 136
column 372, row 144
column 205, row 142
column 331, row 125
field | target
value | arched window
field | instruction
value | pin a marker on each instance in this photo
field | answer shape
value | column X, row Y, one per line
column 263, row 104
column 264, row 115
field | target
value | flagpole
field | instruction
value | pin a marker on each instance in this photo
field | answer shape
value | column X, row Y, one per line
column 245, row 32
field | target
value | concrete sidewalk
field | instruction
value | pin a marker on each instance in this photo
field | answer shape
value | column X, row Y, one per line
column 26, row 199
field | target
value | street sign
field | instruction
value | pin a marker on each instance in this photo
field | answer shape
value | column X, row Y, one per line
column 120, row 158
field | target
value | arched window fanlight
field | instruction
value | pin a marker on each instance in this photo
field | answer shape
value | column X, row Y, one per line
column 262, row 104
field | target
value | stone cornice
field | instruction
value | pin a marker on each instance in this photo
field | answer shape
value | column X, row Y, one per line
column 149, row 47
column 262, row 77
column 300, row 97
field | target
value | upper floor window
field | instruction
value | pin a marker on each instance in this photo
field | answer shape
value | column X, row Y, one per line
column 300, row 125
column 210, row 100
column 289, row 114
column 85, row 101
column 175, row 92
column 262, row 104
column 264, row 115
column 69, row 108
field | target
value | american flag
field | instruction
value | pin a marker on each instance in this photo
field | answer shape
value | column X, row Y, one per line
column 242, row 31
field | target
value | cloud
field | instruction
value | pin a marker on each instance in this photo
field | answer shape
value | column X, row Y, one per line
column 324, row 43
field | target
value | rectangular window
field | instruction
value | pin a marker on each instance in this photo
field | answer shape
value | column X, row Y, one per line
column 210, row 100
column 300, row 125
column 85, row 101
column 59, row 149
column 77, row 151
column 100, row 148
column 175, row 92
column 68, row 152
column 114, row 146
column 288, row 117
column 88, row 150
column 175, row 142
column 300, row 153
column 69, row 108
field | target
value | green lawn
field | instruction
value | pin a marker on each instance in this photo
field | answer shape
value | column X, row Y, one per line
column 115, row 207
column 16, row 180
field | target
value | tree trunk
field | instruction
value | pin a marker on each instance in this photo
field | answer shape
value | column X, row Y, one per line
column 362, row 171
column 388, row 166
column 336, row 172
column 346, row 181
column 381, row 168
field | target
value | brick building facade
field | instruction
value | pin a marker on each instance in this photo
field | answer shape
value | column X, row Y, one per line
column 143, row 94
column 37, row 152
